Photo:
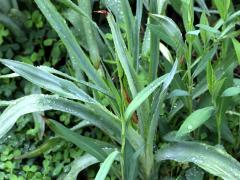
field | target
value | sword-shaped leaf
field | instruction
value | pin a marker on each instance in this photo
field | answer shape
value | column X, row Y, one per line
column 77, row 55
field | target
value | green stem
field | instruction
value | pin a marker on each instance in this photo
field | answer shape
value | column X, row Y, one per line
column 189, row 73
column 219, row 122
column 219, row 130
column 123, row 140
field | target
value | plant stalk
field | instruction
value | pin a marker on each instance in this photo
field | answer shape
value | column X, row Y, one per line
column 123, row 140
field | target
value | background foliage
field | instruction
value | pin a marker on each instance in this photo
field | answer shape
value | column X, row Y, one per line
column 179, row 97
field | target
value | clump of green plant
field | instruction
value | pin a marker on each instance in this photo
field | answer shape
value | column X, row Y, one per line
column 29, row 133
column 166, row 96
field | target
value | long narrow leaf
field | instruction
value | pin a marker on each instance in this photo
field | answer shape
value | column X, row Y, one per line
column 12, row 26
column 212, row 159
column 88, row 84
column 236, row 45
column 129, row 23
column 136, row 33
column 168, row 31
column 47, row 81
column 144, row 94
column 232, row 91
column 154, row 43
column 79, row 10
column 49, row 144
column 204, row 61
column 35, row 103
column 109, row 123
column 79, row 59
column 123, row 55
column 85, row 143
column 106, row 165
column 90, row 34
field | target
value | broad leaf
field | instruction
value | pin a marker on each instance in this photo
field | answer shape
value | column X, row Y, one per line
column 194, row 120
column 232, row 91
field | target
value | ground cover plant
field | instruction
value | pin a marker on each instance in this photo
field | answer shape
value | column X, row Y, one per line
column 160, row 80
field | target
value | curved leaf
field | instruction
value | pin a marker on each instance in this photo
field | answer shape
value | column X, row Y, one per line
column 178, row 93
column 88, row 84
column 35, row 103
column 49, row 144
column 47, row 80
column 232, row 91
column 80, row 164
column 196, row 119
column 212, row 159
column 12, row 26
column 170, row 76
column 232, row 17
column 96, row 115
column 77, row 55
column 168, row 31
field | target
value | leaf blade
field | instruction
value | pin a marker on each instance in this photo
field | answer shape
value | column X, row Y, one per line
column 105, row 167
column 143, row 95
column 190, row 124
column 236, row 45
column 123, row 55
column 80, row 164
column 85, row 143
column 47, row 80
column 211, row 159
column 232, row 91
column 36, row 102
column 78, row 57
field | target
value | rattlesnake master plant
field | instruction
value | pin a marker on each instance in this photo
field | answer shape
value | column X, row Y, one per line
column 154, row 96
